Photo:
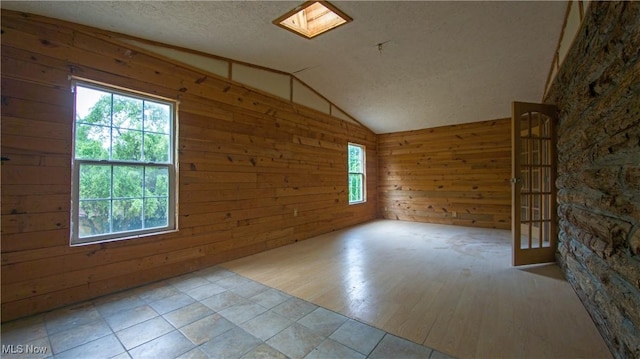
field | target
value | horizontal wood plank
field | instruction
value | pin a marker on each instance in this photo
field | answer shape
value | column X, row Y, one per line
column 255, row 171
column 448, row 175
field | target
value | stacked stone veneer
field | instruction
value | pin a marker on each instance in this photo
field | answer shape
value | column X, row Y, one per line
column 597, row 92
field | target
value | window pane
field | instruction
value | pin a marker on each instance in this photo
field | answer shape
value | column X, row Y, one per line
column 156, row 212
column 127, row 215
column 524, row 125
column 156, row 182
column 524, row 154
column 92, row 142
column 535, row 179
column 355, row 188
column 157, row 117
column 546, row 126
column 535, row 124
column 122, row 192
column 546, row 234
column 127, row 145
column 356, row 173
column 546, row 152
column 524, row 238
column 355, row 159
column 524, row 209
column 546, row 179
column 127, row 112
column 127, row 181
column 93, row 106
column 525, row 180
column 156, row 148
column 93, row 218
column 95, row 182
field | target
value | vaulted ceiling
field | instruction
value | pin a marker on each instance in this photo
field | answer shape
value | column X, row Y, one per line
column 440, row 63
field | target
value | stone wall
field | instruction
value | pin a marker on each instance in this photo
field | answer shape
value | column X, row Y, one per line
column 597, row 92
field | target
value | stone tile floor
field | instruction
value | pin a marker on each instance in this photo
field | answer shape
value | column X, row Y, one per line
column 212, row 313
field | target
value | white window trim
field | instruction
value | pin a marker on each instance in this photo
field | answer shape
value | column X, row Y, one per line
column 172, row 166
column 363, row 173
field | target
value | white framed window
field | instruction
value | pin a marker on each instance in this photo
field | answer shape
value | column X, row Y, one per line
column 124, row 164
column 357, row 173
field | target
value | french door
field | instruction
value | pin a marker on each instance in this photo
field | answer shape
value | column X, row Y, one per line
column 534, row 217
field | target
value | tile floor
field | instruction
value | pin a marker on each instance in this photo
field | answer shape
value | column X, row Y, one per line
column 212, row 313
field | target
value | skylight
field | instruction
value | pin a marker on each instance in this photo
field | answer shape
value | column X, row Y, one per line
column 312, row 19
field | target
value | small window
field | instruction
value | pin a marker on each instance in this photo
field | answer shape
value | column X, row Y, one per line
column 124, row 169
column 356, row 173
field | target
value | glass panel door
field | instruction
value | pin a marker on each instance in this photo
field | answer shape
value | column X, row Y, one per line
column 533, row 154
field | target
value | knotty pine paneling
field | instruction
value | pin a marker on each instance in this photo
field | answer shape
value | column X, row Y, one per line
column 248, row 162
column 450, row 175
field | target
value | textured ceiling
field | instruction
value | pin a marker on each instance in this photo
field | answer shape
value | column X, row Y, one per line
column 441, row 62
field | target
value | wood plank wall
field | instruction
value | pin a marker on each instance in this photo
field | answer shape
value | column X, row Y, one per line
column 451, row 175
column 248, row 160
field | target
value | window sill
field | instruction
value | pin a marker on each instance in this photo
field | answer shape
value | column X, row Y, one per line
column 357, row 202
column 129, row 237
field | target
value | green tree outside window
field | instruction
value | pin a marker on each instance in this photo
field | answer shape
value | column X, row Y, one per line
column 123, row 159
column 356, row 163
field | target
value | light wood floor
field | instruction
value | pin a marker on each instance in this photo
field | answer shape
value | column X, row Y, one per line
column 450, row 288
